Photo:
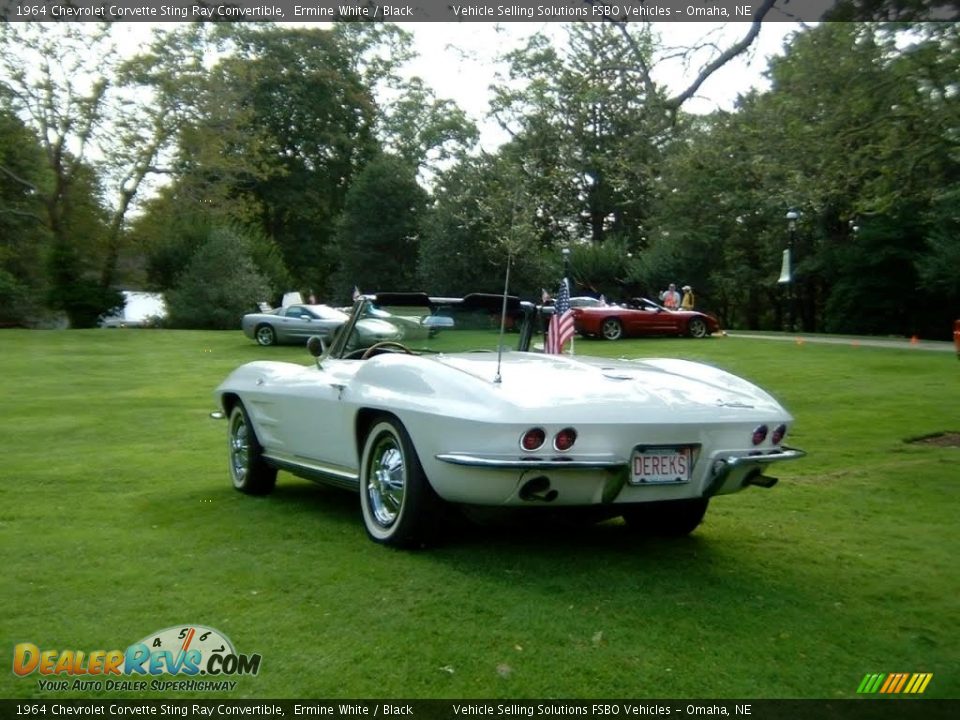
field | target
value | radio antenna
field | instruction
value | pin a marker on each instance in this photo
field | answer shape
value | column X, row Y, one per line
column 503, row 319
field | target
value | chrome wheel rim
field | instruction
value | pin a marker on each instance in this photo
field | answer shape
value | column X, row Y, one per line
column 611, row 329
column 265, row 336
column 239, row 450
column 386, row 480
column 697, row 328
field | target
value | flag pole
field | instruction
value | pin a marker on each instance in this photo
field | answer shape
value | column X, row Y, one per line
column 566, row 280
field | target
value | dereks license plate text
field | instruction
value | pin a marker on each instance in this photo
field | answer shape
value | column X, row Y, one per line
column 661, row 465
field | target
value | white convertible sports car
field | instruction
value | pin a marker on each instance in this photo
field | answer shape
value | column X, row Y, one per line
column 417, row 404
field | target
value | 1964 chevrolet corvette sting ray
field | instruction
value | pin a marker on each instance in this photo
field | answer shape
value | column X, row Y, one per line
column 413, row 406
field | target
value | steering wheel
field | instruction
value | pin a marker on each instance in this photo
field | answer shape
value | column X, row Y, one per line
column 384, row 345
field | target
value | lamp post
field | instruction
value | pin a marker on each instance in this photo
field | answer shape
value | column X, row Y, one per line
column 791, row 216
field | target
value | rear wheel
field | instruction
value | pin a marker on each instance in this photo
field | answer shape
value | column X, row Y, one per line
column 697, row 328
column 611, row 329
column 399, row 506
column 249, row 471
column 266, row 335
column 670, row 518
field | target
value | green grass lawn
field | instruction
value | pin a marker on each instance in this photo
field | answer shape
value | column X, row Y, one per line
column 118, row 519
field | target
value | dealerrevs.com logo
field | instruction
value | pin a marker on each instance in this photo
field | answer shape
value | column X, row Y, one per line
column 184, row 650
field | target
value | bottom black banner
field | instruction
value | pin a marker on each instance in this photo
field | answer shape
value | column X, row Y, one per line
column 860, row 709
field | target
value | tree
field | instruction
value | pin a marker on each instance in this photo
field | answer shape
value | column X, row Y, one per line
column 378, row 233
column 718, row 221
column 484, row 216
column 219, row 285
column 65, row 81
column 891, row 10
column 425, row 131
column 311, row 121
column 172, row 229
column 157, row 101
column 23, row 237
column 608, row 269
column 710, row 55
column 581, row 129
column 73, row 260
column 452, row 253
column 858, row 133
column 877, row 127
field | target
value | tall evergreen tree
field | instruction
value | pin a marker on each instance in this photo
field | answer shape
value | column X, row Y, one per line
column 378, row 233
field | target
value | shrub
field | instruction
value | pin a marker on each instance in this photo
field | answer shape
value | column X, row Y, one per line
column 220, row 284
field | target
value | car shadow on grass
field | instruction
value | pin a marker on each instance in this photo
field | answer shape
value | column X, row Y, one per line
column 494, row 538
column 467, row 529
column 558, row 534
column 538, row 550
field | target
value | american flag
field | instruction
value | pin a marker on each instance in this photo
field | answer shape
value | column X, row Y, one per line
column 561, row 322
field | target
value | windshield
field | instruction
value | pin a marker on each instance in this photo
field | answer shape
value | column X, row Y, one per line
column 471, row 324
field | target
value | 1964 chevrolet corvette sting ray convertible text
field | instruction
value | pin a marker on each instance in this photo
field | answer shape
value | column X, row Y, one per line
column 413, row 406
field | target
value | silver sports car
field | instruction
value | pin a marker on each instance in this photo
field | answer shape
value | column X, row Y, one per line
column 292, row 324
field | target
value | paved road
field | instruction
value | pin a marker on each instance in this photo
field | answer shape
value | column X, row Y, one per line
column 896, row 343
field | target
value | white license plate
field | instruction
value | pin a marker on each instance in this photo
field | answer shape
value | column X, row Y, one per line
column 659, row 465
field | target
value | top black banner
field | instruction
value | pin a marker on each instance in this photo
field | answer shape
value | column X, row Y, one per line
column 325, row 11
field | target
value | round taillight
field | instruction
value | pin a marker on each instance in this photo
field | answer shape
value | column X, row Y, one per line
column 533, row 439
column 760, row 434
column 564, row 439
column 778, row 434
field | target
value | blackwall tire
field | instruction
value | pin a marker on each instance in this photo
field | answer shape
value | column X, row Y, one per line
column 697, row 328
column 266, row 335
column 611, row 329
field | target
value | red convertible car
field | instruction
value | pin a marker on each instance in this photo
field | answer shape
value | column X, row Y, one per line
column 639, row 318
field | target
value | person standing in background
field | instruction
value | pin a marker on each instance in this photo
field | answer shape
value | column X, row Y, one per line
column 688, row 299
column 670, row 297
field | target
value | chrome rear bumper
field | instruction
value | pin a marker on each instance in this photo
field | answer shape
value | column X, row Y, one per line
column 506, row 462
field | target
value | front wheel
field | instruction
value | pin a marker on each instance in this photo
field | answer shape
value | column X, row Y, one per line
column 670, row 518
column 398, row 504
column 266, row 335
column 697, row 328
column 249, row 471
column 612, row 329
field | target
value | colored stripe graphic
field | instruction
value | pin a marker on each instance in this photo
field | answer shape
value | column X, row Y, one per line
column 871, row 682
column 894, row 683
column 898, row 683
column 918, row 683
